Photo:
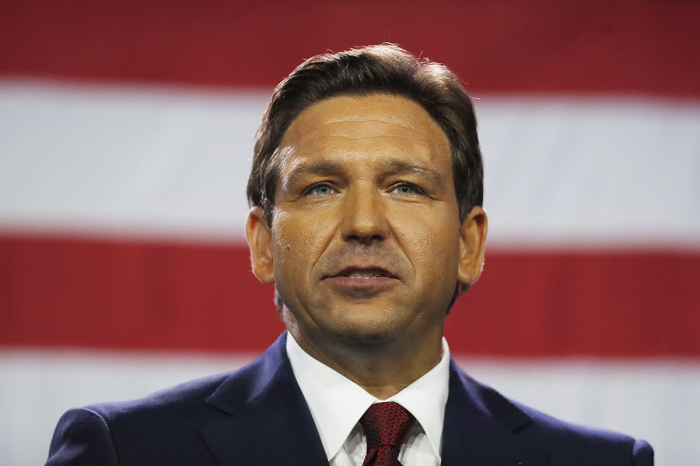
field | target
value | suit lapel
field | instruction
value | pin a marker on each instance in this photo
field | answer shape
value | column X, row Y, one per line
column 480, row 427
column 270, row 422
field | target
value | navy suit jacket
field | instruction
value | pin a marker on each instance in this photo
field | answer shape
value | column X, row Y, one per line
column 258, row 416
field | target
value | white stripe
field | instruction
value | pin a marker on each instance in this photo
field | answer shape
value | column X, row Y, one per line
column 582, row 171
column 654, row 400
column 174, row 162
column 126, row 160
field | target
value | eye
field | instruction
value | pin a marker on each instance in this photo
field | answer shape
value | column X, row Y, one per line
column 405, row 188
column 321, row 189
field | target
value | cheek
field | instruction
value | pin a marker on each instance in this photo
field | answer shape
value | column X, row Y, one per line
column 298, row 241
column 431, row 246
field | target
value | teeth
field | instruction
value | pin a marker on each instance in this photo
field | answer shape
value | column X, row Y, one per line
column 365, row 276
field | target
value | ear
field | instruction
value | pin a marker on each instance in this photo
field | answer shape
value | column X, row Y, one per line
column 259, row 237
column 472, row 242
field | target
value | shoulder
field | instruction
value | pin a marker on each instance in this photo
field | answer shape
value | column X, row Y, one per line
column 565, row 443
column 591, row 445
column 173, row 402
column 163, row 427
column 129, row 431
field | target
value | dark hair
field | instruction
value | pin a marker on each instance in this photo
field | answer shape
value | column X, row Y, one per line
column 385, row 68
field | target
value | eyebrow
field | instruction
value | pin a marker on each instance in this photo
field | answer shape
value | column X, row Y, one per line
column 403, row 167
column 327, row 167
column 302, row 170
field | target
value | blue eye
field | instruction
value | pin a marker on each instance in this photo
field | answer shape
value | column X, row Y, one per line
column 405, row 189
column 322, row 189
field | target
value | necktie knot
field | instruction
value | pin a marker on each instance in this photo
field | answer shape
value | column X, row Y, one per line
column 386, row 426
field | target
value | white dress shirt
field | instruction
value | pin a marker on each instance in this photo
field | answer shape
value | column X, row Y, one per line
column 337, row 403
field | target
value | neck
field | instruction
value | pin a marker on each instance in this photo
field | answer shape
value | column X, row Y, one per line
column 382, row 369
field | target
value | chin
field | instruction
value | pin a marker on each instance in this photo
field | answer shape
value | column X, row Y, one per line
column 370, row 335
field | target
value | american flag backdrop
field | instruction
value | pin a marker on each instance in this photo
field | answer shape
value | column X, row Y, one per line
column 126, row 134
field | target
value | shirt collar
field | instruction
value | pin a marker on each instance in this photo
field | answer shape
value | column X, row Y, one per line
column 323, row 387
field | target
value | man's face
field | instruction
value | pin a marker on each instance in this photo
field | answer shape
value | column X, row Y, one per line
column 366, row 245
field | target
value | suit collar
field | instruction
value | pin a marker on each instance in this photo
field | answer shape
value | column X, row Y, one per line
column 266, row 406
column 270, row 422
column 481, row 426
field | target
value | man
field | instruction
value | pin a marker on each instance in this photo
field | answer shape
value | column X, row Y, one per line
column 366, row 193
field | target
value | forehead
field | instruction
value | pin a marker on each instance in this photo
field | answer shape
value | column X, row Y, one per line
column 374, row 126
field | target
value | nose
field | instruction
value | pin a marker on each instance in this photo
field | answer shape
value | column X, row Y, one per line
column 364, row 216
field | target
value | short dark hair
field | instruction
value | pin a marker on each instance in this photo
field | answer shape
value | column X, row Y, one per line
column 385, row 68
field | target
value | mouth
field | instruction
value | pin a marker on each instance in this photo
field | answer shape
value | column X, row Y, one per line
column 363, row 273
column 362, row 282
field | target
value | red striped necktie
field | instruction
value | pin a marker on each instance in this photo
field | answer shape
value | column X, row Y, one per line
column 386, row 426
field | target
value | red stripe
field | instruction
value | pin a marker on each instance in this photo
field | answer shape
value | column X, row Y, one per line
column 631, row 46
column 150, row 295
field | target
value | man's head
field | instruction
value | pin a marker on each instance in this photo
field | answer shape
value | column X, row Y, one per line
column 374, row 69
column 364, row 214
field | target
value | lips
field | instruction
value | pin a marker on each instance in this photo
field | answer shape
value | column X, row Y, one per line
column 363, row 273
column 361, row 281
